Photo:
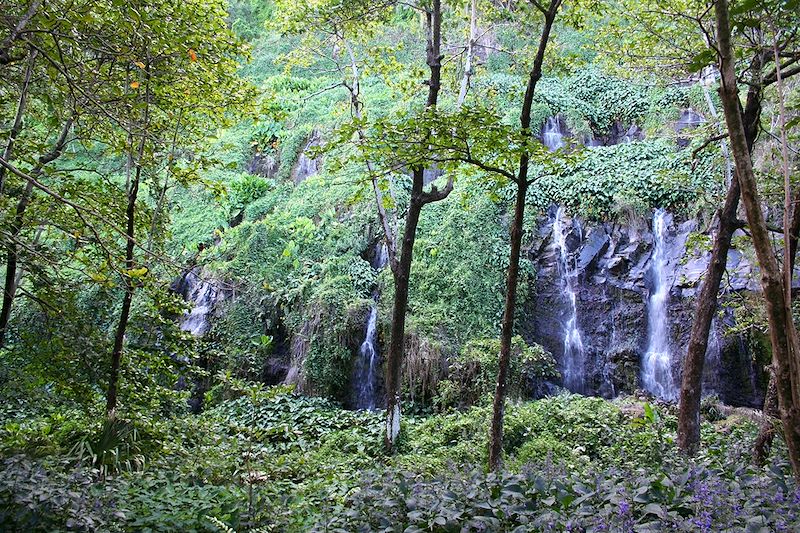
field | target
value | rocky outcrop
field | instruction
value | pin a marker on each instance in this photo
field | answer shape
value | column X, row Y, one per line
column 205, row 295
column 306, row 165
column 615, row 281
column 264, row 164
column 555, row 132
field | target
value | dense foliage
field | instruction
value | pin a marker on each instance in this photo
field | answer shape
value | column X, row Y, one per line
column 275, row 460
column 189, row 212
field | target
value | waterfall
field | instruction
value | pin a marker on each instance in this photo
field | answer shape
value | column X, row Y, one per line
column 712, row 364
column 367, row 370
column 552, row 136
column 203, row 295
column 657, row 364
column 574, row 356
column 367, row 365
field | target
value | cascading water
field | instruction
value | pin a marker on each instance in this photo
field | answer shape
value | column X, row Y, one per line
column 552, row 136
column 573, row 364
column 657, row 363
column 711, row 368
column 367, row 370
column 203, row 295
column 367, row 364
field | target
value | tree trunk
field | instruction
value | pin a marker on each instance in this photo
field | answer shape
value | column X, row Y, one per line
column 507, row 330
column 12, row 254
column 791, row 226
column 691, row 381
column 10, row 284
column 397, row 343
column 402, row 273
column 783, row 335
column 124, row 316
column 130, row 246
column 766, row 433
column 469, row 66
column 692, row 377
column 517, row 230
column 16, row 128
column 8, row 42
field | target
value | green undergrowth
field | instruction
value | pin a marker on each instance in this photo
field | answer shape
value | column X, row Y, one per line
column 275, row 460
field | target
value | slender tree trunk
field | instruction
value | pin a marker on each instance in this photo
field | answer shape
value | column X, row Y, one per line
column 10, row 285
column 768, row 429
column 12, row 253
column 766, row 433
column 402, row 277
column 791, row 226
column 788, row 260
column 469, row 66
column 402, row 273
column 517, row 230
column 16, row 128
column 389, row 229
column 8, row 42
column 507, row 330
column 691, row 381
column 130, row 245
column 127, row 299
column 783, row 334
column 693, row 364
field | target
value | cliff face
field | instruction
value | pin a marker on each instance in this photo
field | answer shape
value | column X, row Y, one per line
column 615, row 278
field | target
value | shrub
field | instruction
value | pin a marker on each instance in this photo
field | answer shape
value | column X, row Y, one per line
column 473, row 373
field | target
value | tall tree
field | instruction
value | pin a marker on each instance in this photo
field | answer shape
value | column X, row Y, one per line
column 522, row 181
column 12, row 247
column 419, row 199
column 155, row 83
column 679, row 39
column 783, row 334
column 137, row 143
column 758, row 75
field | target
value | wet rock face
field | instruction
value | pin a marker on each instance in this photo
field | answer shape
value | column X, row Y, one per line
column 555, row 133
column 205, row 294
column 263, row 164
column 688, row 120
column 615, row 281
column 307, row 166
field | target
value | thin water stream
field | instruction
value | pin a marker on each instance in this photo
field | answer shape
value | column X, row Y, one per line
column 657, row 362
column 574, row 362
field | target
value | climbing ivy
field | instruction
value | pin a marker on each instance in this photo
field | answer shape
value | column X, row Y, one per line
column 641, row 175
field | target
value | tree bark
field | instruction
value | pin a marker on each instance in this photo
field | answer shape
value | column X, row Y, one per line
column 402, row 273
column 12, row 253
column 397, row 341
column 389, row 229
column 507, row 330
column 517, row 230
column 19, row 27
column 791, row 226
column 783, row 335
column 691, row 380
column 768, row 429
column 469, row 66
column 127, row 299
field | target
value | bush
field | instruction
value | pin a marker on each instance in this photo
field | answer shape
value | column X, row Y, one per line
column 473, row 373
column 684, row 497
